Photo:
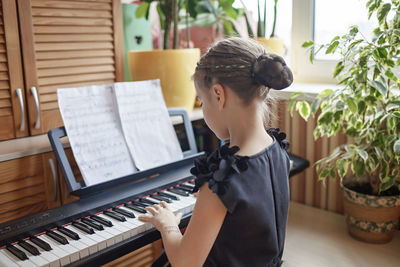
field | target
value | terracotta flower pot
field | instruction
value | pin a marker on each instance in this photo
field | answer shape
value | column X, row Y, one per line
column 373, row 219
column 174, row 68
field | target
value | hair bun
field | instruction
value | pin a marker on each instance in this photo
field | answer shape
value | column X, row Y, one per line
column 271, row 70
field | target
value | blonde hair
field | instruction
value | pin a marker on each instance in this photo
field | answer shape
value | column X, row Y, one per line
column 244, row 66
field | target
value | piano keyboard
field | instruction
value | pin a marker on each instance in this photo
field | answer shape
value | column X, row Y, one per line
column 72, row 241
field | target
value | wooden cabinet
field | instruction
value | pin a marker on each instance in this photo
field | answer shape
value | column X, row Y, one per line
column 13, row 115
column 28, row 185
column 64, row 44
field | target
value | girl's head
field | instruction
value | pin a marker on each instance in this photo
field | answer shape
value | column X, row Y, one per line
column 243, row 67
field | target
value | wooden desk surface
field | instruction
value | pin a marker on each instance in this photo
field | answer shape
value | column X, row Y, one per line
column 319, row 238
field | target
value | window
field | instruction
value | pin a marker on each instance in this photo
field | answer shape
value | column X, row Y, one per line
column 320, row 21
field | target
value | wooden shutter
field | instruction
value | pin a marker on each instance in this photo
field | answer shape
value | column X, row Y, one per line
column 12, row 111
column 28, row 185
column 68, row 44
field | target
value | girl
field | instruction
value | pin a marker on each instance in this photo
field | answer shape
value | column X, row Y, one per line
column 240, row 215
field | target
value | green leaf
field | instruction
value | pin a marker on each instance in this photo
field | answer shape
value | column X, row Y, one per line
column 325, row 93
column 358, row 168
column 142, row 10
column 342, row 165
column 315, row 105
column 352, row 104
column 391, row 122
column 382, row 89
column 382, row 12
column 304, row 109
column 338, row 69
column 294, row 95
column 191, row 7
column 391, row 75
column 361, row 106
column 292, row 104
column 307, row 44
column 362, row 153
column 332, row 47
column 396, row 147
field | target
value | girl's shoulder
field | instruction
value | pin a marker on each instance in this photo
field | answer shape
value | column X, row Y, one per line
column 217, row 167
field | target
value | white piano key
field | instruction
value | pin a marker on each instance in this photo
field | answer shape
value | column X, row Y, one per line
column 91, row 244
column 99, row 240
column 6, row 261
column 81, row 247
column 124, row 227
column 16, row 260
column 107, row 236
column 51, row 258
column 63, row 255
column 37, row 260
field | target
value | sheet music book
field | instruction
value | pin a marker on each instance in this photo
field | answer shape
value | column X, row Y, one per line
column 117, row 129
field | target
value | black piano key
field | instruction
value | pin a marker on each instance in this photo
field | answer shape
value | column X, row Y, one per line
column 183, row 186
column 136, row 208
column 69, row 233
column 59, row 238
column 179, row 192
column 148, row 201
column 141, row 204
column 124, row 212
column 191, row 182
column 40, row 243
column 17, row 252
column 161, row 198
column 165, row 194
column 83, row 227
column 184, row 189
column 28, row 247
column 102, row 220
column 114, row 215
column 93, row 224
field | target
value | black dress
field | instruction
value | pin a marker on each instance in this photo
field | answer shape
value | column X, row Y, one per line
column 255, row 192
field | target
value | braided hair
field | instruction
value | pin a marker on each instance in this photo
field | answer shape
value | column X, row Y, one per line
column 244, row 66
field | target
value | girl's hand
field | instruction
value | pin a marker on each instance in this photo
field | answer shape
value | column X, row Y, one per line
column 161, row 217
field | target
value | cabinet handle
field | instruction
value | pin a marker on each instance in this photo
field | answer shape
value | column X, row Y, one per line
column 35, row 97
column 21, row 104
column 55, row 178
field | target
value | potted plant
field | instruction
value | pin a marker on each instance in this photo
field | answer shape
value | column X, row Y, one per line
column 174, row 67
column 214, row 20
column 367, row 110
column 272, row 44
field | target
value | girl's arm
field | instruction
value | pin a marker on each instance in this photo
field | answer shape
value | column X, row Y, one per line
column 193, row 247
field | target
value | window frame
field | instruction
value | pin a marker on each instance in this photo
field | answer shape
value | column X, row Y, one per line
column 321, row 70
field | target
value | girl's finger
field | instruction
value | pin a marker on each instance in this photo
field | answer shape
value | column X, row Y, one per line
column 144, row 218
column 155, row 206
column 164, row 204
column 151, row 210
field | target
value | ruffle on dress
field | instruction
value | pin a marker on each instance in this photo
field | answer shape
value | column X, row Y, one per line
column 216, row 167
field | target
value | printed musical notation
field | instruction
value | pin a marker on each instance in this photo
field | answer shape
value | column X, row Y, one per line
column 147, row 128
column 95, row 133
column 118, row 128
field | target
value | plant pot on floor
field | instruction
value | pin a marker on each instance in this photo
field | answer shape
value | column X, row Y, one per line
column 174, row 68
column 369, row 218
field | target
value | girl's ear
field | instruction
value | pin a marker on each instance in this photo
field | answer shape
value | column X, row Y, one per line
column 218, row 92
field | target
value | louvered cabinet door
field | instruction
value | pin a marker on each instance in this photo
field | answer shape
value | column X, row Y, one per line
column 67, row 44
column 28, row 185
column 13, row 120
